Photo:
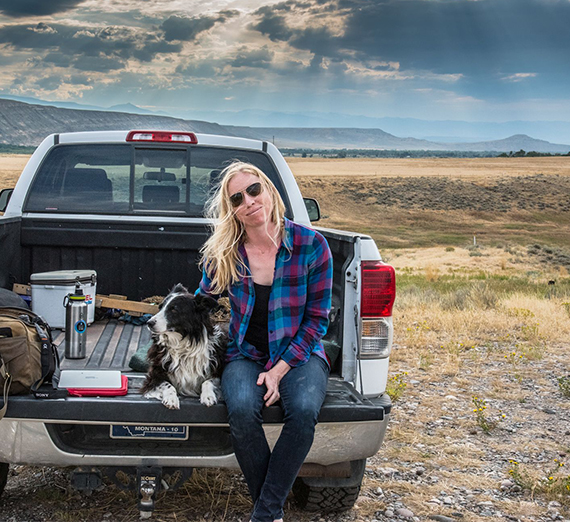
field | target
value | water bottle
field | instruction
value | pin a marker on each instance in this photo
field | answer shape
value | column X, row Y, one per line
column 75, row 324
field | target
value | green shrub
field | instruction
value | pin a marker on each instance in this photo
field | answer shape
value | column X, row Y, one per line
column 564, row 385
column 396, row 386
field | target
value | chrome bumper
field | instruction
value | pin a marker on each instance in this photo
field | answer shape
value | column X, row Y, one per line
column 28, row 442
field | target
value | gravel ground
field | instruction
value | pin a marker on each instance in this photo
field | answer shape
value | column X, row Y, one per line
column 436, row 464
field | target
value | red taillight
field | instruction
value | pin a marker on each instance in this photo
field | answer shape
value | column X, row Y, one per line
column 378, row 289
column 162, row 137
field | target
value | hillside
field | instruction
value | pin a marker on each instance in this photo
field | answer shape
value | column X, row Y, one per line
column 514, row 143
column 27, row 124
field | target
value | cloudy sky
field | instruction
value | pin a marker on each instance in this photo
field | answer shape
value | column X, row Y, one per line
column 475, row 60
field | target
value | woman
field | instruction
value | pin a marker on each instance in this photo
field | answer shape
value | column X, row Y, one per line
column 278, row 275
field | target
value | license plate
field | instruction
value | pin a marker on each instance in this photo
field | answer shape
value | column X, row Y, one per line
column 149, row 432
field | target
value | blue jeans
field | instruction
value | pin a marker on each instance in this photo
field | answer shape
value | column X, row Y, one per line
column 270, row 474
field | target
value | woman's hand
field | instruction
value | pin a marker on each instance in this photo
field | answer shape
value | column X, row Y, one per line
column 271, row 379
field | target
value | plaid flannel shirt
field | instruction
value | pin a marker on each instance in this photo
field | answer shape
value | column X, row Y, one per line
column 299, row 303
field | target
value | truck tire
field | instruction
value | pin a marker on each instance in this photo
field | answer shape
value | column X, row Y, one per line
column 3, row 476
column 324, row 499
column 330, row 494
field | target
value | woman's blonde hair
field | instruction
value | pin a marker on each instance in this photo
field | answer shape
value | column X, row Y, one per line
column 220, row 256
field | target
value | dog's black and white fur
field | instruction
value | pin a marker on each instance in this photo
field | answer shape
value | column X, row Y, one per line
column 186, row 355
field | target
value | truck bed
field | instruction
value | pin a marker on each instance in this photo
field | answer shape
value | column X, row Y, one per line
column 111, row 344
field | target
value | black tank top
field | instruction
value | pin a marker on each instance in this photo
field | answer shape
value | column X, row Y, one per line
column 257, row 333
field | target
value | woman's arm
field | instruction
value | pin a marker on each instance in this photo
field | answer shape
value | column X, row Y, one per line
column 204, row 286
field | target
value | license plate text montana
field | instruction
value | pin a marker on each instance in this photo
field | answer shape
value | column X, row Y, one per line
column 149, row 432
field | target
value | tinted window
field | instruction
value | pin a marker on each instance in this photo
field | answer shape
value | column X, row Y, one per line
column 123, row 179
column 81, row 179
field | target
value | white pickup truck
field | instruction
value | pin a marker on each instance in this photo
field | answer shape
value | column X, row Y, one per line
column 129, row 205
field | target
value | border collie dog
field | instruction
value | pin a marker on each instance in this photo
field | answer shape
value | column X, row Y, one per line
column 186, row 355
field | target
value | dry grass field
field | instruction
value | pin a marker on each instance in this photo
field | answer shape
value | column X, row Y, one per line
column 463, row 168
column 11, row 166
column 480, row 376
column 430, row 202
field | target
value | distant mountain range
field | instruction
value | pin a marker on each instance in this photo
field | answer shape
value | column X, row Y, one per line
column 446, row 131
column 339, row 138
column 25, row 123
column 442, row 131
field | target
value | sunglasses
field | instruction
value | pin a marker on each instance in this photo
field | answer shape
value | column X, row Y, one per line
column 253, row 190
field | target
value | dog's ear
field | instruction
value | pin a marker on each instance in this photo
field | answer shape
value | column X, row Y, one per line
column 206, row 302
column 179, row 289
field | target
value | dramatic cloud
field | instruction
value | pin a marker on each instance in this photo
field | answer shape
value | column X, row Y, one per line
column 272, row 25
column 22, row 8
column 206, row 69
column 98, row 64
column 39, row 36
column 445, row 37
column 187, row 29
column 253, row 58
column 79, row 79
column 481, row 45
column 475, row 37
column 43, row 28
column 364, row 55
column 75, row 83
column 49, row 83
column 87, row 48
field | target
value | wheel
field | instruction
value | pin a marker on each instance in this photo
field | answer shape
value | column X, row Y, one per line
column 330, row 494
column 3, row 476
column 324, row 499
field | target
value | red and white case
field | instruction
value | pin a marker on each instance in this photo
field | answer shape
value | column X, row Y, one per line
column 101, row 392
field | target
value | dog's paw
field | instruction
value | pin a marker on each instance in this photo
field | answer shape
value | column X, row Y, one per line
column 171, row 402
column 208, row 398
column 153, row 394
column 170, row 398
column 165, row 393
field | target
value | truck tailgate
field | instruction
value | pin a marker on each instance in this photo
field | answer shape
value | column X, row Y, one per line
column 342, row 404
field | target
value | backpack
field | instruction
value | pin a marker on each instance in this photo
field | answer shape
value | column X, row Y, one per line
column 28, row 357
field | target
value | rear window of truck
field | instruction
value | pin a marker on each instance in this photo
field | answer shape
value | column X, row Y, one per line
column 126, row 179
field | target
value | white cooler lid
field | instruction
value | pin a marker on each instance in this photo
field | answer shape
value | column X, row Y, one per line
column 64, row 277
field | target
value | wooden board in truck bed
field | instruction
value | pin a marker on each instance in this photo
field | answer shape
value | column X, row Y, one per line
column 110, row 345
